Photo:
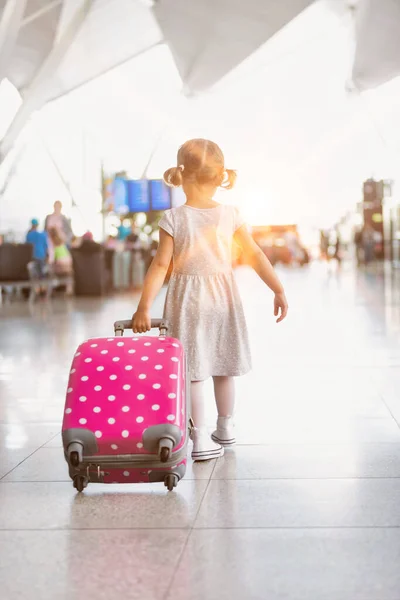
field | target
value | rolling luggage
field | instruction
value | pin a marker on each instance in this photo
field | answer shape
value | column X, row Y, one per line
column 126, row 415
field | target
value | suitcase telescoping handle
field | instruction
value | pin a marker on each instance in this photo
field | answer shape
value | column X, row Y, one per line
column 161, row 324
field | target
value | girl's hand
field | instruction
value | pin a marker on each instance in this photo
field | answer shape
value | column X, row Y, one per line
column 141, row 321
column 280, row 304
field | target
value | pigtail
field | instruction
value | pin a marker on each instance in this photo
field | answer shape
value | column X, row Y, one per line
column 229, row 179
column 173, row 177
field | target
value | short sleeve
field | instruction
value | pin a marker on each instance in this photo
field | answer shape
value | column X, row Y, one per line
column 238, row 220
column 167, row 222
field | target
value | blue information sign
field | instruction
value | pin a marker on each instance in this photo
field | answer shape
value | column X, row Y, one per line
column 120, row 196
column 160, row 195
column 138, row 195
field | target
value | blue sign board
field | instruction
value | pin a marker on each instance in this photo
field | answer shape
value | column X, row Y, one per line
column 138, row 196
column 160, row 195
column 120, row 196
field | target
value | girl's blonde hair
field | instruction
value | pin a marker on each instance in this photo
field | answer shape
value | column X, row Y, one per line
column 202, row 162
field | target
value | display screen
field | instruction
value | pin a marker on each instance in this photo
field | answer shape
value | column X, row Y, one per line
column 138, row 195
column 120, row 196
column 160, row 195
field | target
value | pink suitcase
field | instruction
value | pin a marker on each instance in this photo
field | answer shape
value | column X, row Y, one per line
column 126, row 414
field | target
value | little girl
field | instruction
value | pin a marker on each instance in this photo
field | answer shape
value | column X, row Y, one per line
column 203, row 305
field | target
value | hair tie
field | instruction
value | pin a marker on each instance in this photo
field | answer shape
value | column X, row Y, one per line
column 181, row 168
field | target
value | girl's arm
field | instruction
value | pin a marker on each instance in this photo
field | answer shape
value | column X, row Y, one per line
column 153, row 283
column 260, row 263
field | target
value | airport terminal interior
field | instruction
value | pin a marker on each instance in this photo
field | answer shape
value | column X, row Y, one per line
column 303, row 97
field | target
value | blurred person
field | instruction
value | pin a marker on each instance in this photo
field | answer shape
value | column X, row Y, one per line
column 75, row 242
column 358, row 246
column 123, row 230
column 61, row 261
column 88, row 244
column 323, row 244
column 111, row 242
column 368, row 243
column 338, row 249
column 56, row 220
column 40, row 243
column 203, row 305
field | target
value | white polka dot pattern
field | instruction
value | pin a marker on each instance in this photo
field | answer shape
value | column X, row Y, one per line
column 118, row 388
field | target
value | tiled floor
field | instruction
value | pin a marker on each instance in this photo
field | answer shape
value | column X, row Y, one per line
column 306, row 507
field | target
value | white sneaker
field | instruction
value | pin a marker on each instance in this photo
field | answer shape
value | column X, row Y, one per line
column 224, row 434
column 203, row 447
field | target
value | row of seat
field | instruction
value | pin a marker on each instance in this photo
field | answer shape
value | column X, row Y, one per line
column 92, row 270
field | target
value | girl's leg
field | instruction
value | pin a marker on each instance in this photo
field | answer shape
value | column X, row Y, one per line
column 224, row 390
column 203, row 447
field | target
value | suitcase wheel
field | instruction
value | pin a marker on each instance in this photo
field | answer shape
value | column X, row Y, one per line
column 171, row 481
column 164, row 454
column 165, row 447
column 80, row 482
column 75, row 454
column 74, row 459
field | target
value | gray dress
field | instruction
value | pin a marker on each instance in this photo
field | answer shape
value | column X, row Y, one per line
column 203, row 304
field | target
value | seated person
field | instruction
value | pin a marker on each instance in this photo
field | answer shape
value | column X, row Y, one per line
column 39, row 241
column 88, row 244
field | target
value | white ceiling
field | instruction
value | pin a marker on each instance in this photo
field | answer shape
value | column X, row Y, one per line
column 207, row 38
column 280, row 109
